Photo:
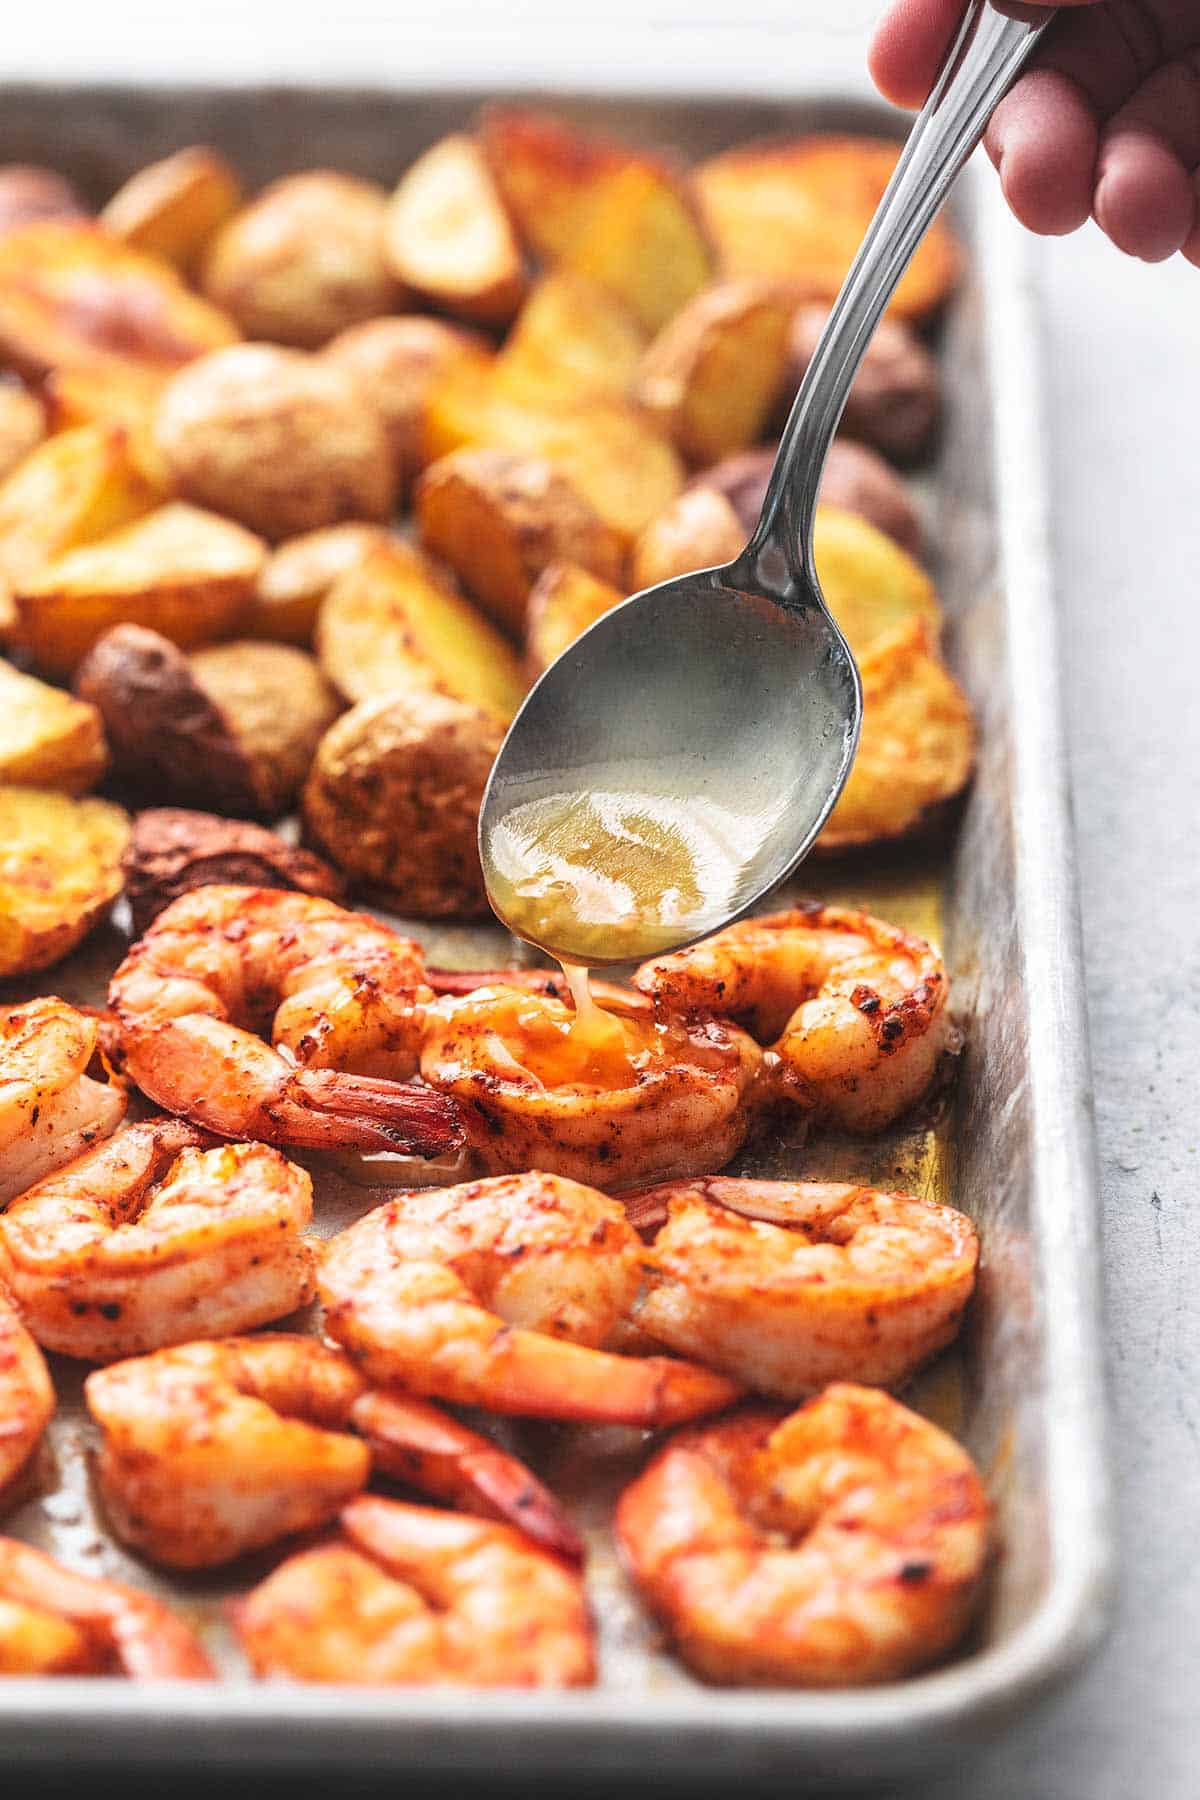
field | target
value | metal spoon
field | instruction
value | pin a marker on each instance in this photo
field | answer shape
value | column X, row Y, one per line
column 732, row 690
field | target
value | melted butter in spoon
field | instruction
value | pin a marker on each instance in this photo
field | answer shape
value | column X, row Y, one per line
column 602, row 877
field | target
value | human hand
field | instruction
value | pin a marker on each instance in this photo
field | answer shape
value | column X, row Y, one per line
column 1104, row 124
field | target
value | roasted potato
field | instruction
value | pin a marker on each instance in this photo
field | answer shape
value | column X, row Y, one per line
column 71, row 294
column 47, row 739
column 394, row 796
column 625, row 218
column 303, row 261
column 498, row 518
column 296, row 578
column 28, row 193
column 281, row 441
column 173, row 851
column 235, row 726
column 895, row 399
column 22, row 427
column 572, row 341
column 172, row 208
column 855, row 479
column 712, row 375
column 870, row 585
column 396, row 621
column 398, row 362
column 68, row 491
column 700, row 530
column 180, row 571
column 108, row 394
column 448, row 237
column 565, row 600
column 796, row 209
column 917, row 744
column 607, row 449
column 60, row 867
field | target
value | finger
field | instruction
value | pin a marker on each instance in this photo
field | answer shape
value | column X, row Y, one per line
column 1044, row 141
column 1109, row 51
column 911, row 40
column 1144, row 200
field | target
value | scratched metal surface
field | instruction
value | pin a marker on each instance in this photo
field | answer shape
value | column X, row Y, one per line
column 1014, row 1147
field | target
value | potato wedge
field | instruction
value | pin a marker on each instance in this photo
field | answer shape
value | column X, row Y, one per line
column 565, row 600
column 68, row 491
column 895, row 399
column 22, row 427
column 448, row 236
column 796, row 209
column 47, row 739
column 28, row 192
column 173, row 851
column 394, row 797
column 234, row 727
column 700, row 530
column 870, row 584
column 607, row 449
column 303, row 261
column 398, row 362
column 572, row 341
column 280, row 441
column 178, row 570
column 917, row 746
column 108, row 394
column 624, row 217
column 855, row 479
column 713, row 374
column 396, row 621
column 172, row 208
column 297, row 577
column 497, row 518
column 71, row 294
column 60, row 868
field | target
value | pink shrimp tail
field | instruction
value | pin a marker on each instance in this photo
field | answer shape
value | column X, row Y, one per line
column 381, row 1115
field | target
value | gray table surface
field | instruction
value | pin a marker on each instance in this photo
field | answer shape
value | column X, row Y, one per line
column 1122, row 362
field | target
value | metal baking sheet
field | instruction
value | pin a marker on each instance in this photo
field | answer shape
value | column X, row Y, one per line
column 1015, row 1147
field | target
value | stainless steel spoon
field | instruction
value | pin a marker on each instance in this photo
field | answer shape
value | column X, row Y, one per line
column 732, row 690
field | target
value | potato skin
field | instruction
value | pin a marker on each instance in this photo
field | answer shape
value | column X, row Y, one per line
column 61, row 869
column 498, row 518
column 399, row 362
column 394, row 795
column 855, row 479
column 895, row 401
column 304, row 260
column 173, row 851
column 700, row 530
column 280, row 441
column 277, row 704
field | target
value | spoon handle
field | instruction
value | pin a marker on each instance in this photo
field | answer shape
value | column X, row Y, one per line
column 982, row 63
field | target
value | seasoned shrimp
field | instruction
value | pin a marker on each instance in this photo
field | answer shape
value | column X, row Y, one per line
column 786, row 1285
column 342, row 996
column 26, row 1394
column 50, row 1107
column 844, row 1544
column 632, row 1102
column 55, row 1622
column 499, row 1294
column 857, row 1007
column 149, row 1239
column 213, row 1449
column 408, row 1596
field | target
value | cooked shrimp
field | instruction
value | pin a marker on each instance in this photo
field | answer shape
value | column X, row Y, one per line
column 786, row 1285
column 212, row 1449
column 499, row 1294
column 858, row 1007
column 50, row 1107
column 150, row 1239
column 55, row 1622
column 637, row 1102
column 409, row 1596
column 342, row 996
column 550, row 982
column 841, row 1545
column 26, row 1394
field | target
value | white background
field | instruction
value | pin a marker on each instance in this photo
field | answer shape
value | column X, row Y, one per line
column 1122, row 358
